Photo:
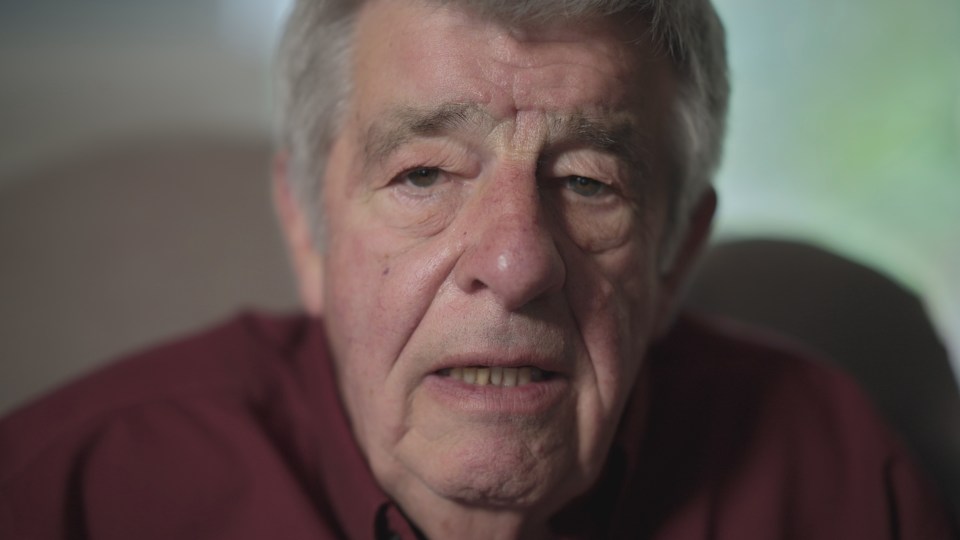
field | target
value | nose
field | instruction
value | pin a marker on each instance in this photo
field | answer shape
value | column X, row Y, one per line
column 510, row 250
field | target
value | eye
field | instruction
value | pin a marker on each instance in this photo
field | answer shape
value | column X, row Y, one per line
column 421, row 177
column 586, row 187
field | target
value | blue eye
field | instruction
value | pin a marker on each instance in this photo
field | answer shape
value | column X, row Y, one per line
column 587, row 187
column 422, row 177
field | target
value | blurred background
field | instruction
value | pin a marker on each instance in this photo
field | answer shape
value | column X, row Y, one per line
column 134, row 159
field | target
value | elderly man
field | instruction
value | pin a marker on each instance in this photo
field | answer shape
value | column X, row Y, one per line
column 491, row 207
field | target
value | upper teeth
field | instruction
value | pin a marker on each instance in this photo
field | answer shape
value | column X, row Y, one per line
column 495, row 376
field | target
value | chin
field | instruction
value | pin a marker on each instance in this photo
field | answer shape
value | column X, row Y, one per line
column 506, row 474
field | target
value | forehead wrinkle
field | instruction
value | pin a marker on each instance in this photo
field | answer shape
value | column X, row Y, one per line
column 404, row 123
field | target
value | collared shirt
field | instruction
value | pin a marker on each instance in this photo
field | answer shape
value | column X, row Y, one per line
column 239, row 433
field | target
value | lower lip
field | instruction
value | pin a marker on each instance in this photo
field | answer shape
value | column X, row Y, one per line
column 530, row 399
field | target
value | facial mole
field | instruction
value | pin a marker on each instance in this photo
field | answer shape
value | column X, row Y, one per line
column 386, row 270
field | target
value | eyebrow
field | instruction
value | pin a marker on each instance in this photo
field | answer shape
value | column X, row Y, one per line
column 405, row 123
column 616, row 134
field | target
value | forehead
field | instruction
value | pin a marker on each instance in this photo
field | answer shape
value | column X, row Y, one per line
column 421, row 53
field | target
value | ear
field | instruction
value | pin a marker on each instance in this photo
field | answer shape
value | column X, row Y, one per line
column 304, row 255
column 695, row 233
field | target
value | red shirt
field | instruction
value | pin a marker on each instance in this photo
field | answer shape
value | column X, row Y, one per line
column 239, row 433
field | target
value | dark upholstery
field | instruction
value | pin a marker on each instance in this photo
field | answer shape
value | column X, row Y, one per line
column 871, row 326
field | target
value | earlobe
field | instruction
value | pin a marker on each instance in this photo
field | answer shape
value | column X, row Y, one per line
column 691, row 244
column 297, row 231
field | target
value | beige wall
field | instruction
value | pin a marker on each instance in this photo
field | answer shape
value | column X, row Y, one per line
column 127, row 246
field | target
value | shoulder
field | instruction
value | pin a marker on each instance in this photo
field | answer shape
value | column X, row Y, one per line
column 213, row 428
column 746, row 386
column 185, row 431
column 233, row 361
column 747, row 366
column 767, row 436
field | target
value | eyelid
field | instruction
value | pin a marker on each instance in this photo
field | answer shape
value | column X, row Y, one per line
column 402, row 178
column 448, row 157
column 609, row 186
column 404, row 174
column 588, row 163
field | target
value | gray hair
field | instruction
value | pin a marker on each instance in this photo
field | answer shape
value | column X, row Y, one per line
column 314, row 83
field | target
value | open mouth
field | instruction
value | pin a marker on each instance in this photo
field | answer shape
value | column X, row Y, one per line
column 496, row 376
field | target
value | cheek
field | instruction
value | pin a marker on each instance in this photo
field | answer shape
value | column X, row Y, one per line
column 353, row 280
column 362, row 341
column 616, row 290
column 614, row 305
column 378, row 287
column 355, row 289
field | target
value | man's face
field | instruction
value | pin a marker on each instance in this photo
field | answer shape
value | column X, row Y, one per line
column 495, row 204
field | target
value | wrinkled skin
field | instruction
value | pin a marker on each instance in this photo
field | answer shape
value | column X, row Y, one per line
column 469, row 223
